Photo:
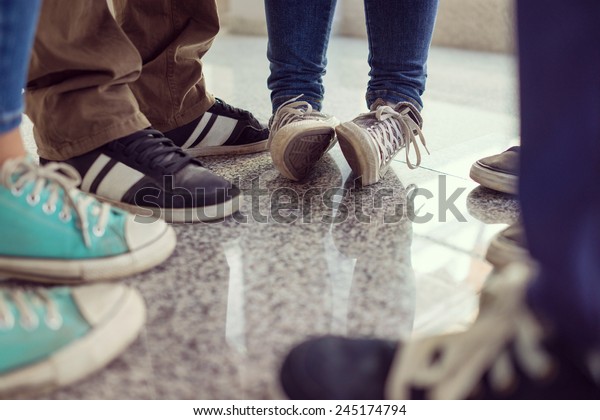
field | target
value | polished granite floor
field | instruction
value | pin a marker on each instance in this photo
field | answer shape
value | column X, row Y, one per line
column 322, row 256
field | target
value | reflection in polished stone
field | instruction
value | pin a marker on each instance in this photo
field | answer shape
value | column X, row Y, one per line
column 493, row 207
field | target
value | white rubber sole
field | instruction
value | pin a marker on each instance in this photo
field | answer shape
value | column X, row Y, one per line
column 83, row 357
column 360, row 153
column 295, row 149
column 261, row 146
column 494, row 180
column 211, row 213
column 55, row 271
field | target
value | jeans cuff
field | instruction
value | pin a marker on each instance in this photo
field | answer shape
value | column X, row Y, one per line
column 392, row 97
column 316, row 103
column 10, row 120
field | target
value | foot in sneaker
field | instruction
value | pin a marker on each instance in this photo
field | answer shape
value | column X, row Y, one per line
column 145, row 173
column 506, row 354
column 498, row 172
column 53, row 337
column 508, row 246
column 222, row 130
column 370, row 141
column 299, row 137
column 52, row 232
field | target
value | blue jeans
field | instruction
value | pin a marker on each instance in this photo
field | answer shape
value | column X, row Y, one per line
column 399, row 34
column 18, row 20
column 560, row 162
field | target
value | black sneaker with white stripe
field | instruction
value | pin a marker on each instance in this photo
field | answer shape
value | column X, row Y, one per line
column 145, row 173
column 222, row 130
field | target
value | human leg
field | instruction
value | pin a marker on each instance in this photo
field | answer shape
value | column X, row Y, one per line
column 85, row 113
column 37, row 204
column 78, row 94
column 297, row 51
column 298, row 39
column 559, row 188
column 172, row 37
column 17, row 28
column 399, row 34
column 49, row 338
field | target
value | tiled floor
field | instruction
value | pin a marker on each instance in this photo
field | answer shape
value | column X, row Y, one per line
column 320, row 256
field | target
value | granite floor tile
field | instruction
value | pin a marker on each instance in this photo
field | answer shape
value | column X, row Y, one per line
column 323, row 256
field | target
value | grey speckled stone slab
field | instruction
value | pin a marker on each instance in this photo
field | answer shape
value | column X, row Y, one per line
column 320, row 256
column 224, row 309
column 491, row 207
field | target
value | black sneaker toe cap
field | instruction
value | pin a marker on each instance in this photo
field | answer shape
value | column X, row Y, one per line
column 337, row 368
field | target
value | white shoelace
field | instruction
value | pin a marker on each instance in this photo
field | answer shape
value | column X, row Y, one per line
column 393, row 130
column 294, row 110
column 16, row 173
column 451, row 366
column 25, row 301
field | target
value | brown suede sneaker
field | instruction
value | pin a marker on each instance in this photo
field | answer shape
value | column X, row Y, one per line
column 499, row 172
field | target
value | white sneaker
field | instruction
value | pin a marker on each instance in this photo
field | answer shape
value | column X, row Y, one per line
column 371, row 140
column 299, row 137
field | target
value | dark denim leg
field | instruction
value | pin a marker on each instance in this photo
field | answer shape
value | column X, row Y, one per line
column 400, row 33
column 298, row 38
column 17, row 27
column 560, row 166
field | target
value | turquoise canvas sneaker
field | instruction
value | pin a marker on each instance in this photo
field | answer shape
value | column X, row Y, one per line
column 52, row 232
column 52, row 337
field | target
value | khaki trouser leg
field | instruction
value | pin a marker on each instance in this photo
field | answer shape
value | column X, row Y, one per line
column 171, row 37
column 78, row 94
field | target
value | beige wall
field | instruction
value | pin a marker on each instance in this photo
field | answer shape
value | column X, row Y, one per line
column 475, row 24
column 471, row 24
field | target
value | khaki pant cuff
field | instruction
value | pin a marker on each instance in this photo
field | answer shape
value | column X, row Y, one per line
column 186, row 116
column 59, row 148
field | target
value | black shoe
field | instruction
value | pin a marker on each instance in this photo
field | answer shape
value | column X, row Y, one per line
column 499, row 172
column 506, row 354
column 145, row 173
column 222, row 130
column 336, row 368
